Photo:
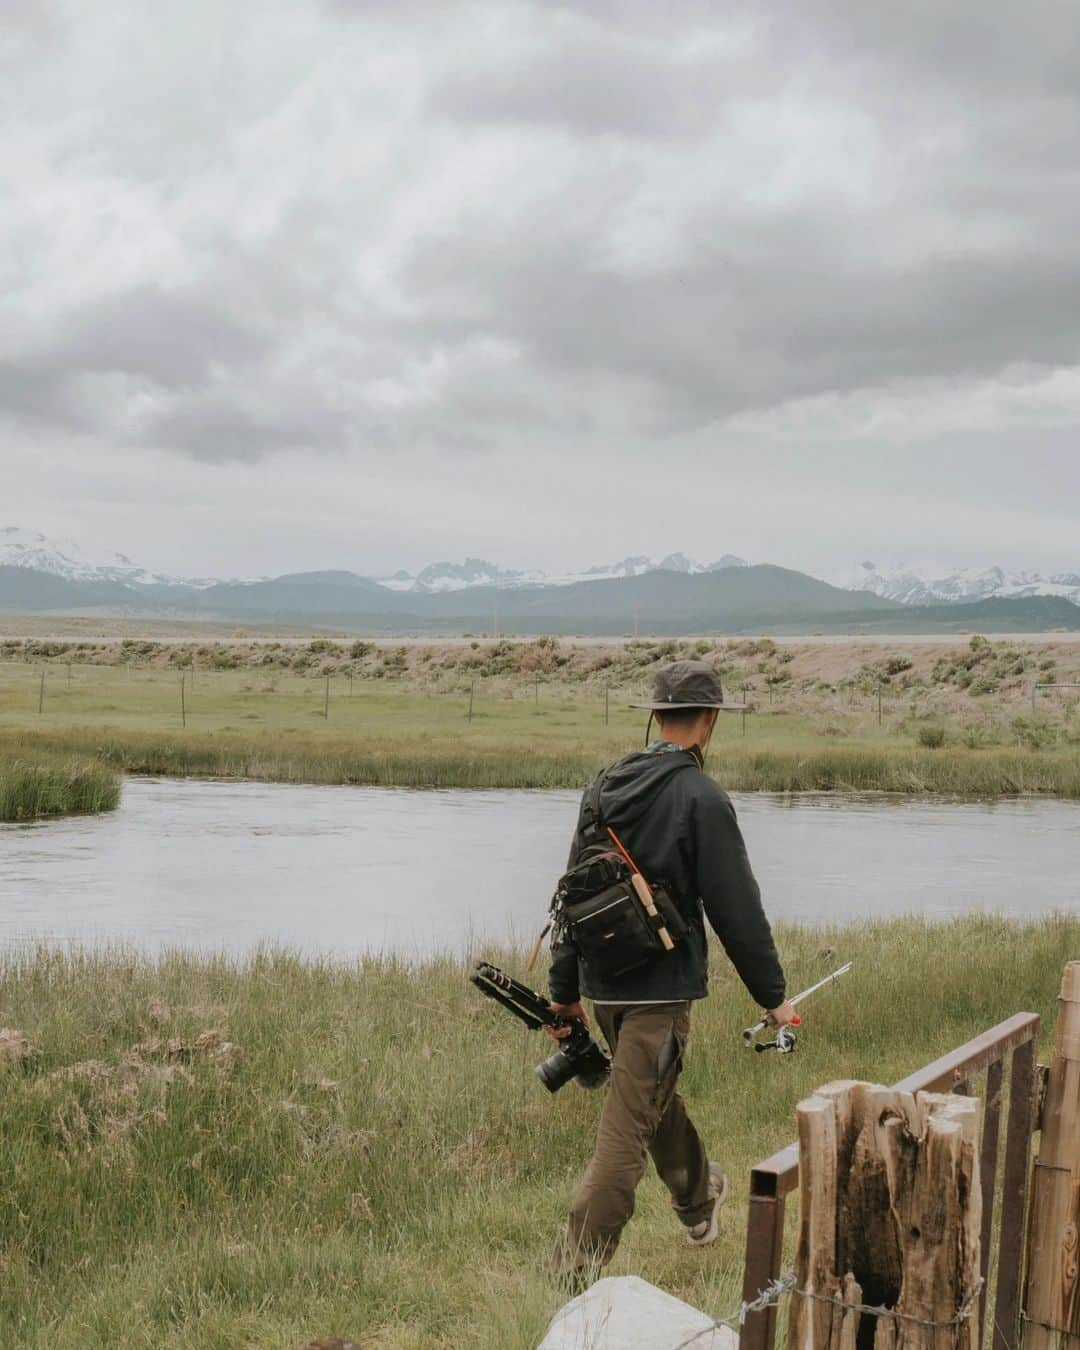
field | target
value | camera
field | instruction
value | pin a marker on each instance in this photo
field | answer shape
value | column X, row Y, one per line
column 578, row 1055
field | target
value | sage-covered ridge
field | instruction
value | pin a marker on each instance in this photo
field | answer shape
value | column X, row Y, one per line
column 201, row 1153
column 38, row 783
column 926, row 718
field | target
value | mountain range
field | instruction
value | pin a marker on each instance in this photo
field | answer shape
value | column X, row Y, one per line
column 930, row 584
column 671, row 594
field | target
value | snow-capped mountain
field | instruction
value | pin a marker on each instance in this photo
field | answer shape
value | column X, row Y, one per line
column 673, row 562
column 29, row 548
column 922, row 583
column 447, row 576
column 62, row 558
column 930, row 584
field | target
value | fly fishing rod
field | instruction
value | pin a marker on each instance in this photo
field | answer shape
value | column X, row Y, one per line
column 785, row 1040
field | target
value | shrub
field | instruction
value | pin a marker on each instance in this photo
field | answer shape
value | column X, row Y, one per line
column 931, row 735
column 977, row 736
column 1036, row 732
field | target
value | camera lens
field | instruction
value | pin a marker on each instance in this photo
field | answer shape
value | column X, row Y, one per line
column 556, row 1071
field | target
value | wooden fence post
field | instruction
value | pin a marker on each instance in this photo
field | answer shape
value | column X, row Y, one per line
column 326, row 700
column 1051, row 1317
column 183, row 703
column 890, row 1217
column 472, row 692
column 41, row 693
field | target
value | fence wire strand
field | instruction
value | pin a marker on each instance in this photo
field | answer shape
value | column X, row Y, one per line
column 771, row 1295
column 1046, row 1326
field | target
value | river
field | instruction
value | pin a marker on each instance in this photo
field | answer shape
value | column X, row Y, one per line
column 227, row 866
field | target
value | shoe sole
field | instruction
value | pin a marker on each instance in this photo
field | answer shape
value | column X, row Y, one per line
column 713, row 1229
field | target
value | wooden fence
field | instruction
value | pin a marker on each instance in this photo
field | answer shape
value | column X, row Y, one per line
column 1037, row 1269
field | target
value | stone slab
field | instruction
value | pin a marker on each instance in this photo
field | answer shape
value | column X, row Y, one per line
column 627, row 1313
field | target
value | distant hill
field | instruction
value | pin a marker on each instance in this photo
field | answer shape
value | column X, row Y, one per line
column 1016, row 614
column 731, row 600
column 25, row 590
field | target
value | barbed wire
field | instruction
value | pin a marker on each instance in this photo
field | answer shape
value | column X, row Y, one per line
column 771, row 1295
column 961, row 1315
column 1046, row 1326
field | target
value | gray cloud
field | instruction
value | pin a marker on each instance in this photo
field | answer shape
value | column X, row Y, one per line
column 174, row 340
column 215, row 430
column 503, row 230
column 31, row 394
column 591, row 88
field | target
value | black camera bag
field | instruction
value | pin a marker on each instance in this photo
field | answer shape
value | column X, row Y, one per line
column 602, row 915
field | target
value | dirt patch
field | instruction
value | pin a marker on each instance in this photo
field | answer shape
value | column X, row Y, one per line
column 213, row 1045
column 15, row 1048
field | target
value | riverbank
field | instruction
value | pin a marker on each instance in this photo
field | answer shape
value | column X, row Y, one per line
column 544, row 715
column 38, row 782
column 771, row 758
column 203, row 1153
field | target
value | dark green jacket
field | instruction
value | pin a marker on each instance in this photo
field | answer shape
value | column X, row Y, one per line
column 679, row 826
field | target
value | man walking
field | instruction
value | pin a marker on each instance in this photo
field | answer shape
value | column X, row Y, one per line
column 680, row 828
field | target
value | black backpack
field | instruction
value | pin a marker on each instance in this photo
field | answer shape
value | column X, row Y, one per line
column 602, row 904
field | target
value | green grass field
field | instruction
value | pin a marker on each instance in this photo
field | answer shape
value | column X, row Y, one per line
column 207, row 1155
column 48, row 782
column 271, row 725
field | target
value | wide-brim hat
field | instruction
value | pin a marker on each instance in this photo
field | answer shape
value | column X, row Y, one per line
column 685, row 684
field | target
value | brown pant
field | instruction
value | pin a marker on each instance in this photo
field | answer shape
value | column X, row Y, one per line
column 642, row 1112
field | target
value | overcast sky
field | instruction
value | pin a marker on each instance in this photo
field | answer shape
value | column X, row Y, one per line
column 370, row 283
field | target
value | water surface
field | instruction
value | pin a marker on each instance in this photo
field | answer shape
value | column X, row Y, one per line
column 351, row 870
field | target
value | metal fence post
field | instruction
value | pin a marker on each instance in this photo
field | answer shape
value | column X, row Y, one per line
column 764, row 1248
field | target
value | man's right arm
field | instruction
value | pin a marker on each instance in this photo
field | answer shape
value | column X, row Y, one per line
column 732, row 899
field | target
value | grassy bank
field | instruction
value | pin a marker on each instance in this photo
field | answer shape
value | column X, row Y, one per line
column 278, row 725
column 749, row 765
column 54, row 782
column 208, row 1155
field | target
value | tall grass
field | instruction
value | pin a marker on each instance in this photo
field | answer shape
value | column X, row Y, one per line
column 198, row 1153
column 522, row 761
column 55, row 785
column 899, row 768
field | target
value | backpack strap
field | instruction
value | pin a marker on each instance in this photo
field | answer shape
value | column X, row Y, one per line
column 590, row 822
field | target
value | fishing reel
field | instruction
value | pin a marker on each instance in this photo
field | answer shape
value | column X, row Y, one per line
column 785, row 1040
column 784, row 1043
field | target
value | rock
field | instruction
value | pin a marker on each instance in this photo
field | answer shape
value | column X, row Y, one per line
column 332, row 1344
column 625, row 1313
column 14, row 1047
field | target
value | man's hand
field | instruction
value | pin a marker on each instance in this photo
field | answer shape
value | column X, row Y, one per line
column 783, row 1016
column 566, row 1010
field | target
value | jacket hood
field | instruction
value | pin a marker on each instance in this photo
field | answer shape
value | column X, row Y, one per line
column 632, row 783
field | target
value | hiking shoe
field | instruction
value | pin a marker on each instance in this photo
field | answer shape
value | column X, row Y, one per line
column 701, row 1234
